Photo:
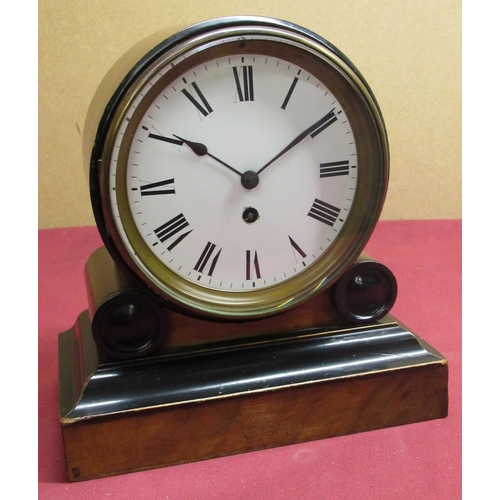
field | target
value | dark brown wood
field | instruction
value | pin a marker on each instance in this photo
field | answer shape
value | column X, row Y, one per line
column 106, row 282
column 197, row 431
column 277, row 405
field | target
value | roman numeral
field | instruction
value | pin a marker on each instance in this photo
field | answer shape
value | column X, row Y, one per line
column 172, row 228
column 334, row 168
column 324, row 212
column 203, row 107
column 252, row 265
column 297, row 248
column 289, row 94
column 206, row 259
column 245, row 92
column 150, row 189
column 332, row 119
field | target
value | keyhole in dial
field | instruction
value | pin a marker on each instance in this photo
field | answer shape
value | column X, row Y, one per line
column 250, row 215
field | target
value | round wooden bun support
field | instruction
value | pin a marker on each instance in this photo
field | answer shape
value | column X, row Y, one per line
column 366, row 292
column 127, row 321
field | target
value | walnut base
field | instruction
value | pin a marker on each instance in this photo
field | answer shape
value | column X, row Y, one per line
column 124, row 416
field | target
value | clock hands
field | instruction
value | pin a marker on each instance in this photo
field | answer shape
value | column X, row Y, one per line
column 201, row 150
column 250, row 179
column 323, row 121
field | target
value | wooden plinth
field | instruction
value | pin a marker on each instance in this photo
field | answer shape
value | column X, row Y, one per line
column 124, row 416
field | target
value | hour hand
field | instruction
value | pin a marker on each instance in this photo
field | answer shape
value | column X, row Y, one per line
column 201, row 150
column 162, row 138
column 197, row 147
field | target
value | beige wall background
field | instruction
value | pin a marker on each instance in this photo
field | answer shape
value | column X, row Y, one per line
column 409, row 52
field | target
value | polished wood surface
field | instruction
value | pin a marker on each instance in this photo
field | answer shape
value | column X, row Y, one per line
column 123, row 416
column 197, row 431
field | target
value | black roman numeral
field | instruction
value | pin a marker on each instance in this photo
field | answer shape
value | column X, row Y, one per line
column 203, row 107
column 172, row 228
column 332, row 119
column 245, row 92
column 324, row 212
column 252, row 265
column 206, row 258
column 334, row 168
column 150, row 189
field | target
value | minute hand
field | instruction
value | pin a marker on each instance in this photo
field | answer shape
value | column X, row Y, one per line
column 329, row 116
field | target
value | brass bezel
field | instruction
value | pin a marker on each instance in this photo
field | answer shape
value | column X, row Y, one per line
column 373, row 170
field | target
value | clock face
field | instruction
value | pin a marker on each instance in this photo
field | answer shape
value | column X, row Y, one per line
column 241, row 175
column 195, row 213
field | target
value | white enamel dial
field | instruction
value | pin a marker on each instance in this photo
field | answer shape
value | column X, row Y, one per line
column 195, row 213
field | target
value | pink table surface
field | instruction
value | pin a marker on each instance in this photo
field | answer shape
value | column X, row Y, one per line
column 422, row 460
